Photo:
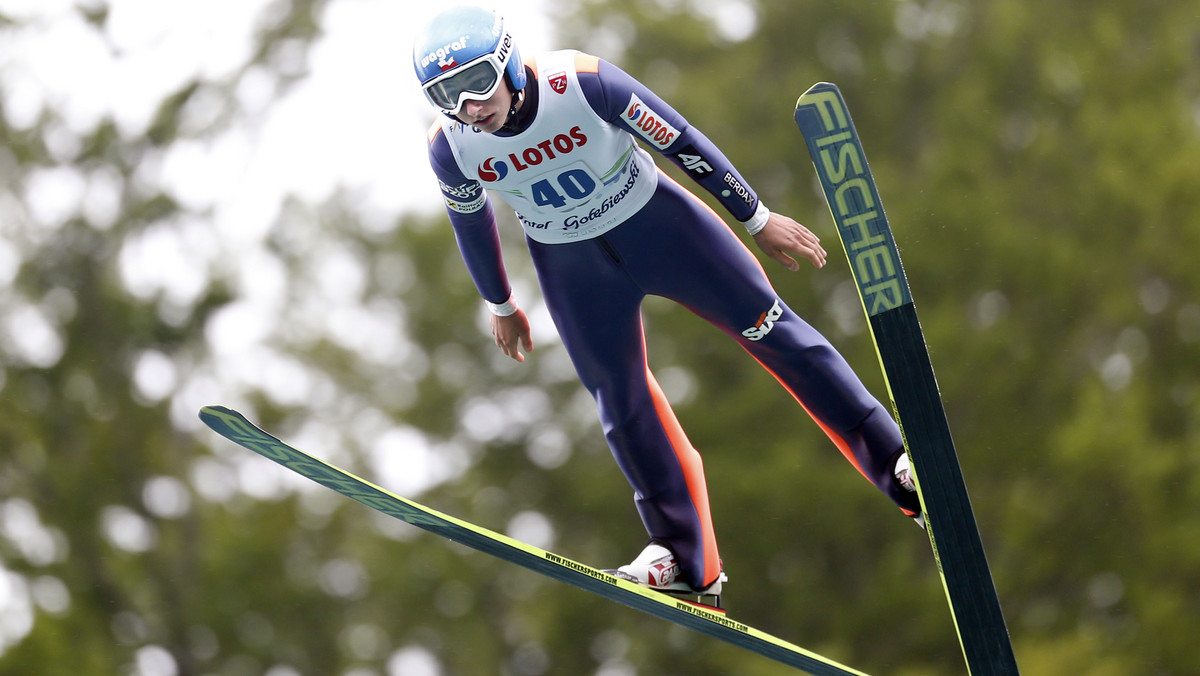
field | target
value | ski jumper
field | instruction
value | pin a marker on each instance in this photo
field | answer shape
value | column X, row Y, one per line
column 605, row 228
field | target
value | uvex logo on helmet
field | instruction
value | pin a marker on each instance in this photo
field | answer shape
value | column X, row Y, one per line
column 494, row 169
column 505, row 48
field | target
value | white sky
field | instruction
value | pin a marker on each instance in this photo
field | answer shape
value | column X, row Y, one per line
column 361, row 99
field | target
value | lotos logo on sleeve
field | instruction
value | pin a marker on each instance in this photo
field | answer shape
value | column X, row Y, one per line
column 649, row 124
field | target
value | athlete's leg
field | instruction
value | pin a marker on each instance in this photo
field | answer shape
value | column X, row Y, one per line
column 597, row 309
column 696, row 260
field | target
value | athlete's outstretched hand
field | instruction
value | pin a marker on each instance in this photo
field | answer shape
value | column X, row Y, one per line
column 511, row 333
column 782, row 238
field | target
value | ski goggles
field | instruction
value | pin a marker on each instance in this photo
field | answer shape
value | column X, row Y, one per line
column 477, row 81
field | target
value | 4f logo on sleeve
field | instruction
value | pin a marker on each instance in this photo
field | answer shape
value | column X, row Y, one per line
column 765, row 323
column 693, row 161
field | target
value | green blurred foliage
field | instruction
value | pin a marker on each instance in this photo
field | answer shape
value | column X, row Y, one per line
column 1038, row 162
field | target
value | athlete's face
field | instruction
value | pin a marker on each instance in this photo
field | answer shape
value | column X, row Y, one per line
column 491, row 114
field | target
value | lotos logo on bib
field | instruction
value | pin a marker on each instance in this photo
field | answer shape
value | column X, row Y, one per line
column 493, row 169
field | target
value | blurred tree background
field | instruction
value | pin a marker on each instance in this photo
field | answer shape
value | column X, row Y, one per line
column 1038, row 162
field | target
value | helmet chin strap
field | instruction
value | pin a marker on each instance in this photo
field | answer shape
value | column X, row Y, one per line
column 517, row 98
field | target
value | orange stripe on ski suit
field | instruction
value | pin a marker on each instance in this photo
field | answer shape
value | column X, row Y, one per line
column 689, row 457
column 693, row 473
column 841, row 443
column 838, row 440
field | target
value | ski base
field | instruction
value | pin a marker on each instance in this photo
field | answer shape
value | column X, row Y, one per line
column 697, row 616
column 853, row 198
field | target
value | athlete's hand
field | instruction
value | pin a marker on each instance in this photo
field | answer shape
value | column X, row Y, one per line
column 511, row 333
column 782, row 238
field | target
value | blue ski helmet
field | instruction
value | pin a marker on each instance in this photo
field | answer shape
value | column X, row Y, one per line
column 462, row 55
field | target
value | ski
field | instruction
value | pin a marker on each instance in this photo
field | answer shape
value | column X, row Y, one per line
column 235, row 427
column 837, row 154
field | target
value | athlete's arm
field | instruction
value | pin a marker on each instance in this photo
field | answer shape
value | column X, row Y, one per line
column 620, row 99
column 474, row 222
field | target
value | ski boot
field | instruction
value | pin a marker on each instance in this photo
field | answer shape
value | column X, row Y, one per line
column 904, row 477
column 657, row 569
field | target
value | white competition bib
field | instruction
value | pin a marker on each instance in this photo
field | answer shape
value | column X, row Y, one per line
column 570, row 175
